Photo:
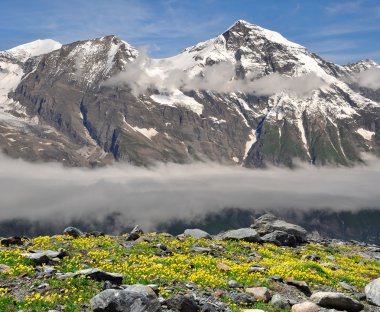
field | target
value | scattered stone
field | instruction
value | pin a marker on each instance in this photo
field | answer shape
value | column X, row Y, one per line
column 280, row 302
column 208, row 307
column 73, row 232
column 95, row 234
column 242, row 299
column 233, row 284
column 276, row 278
column 40, row 257
column 4, row 268
column 244, row 234
column 260, row 293
column 306, row 306
column 43, row 286
column 96, row 274
column 268, row 223
column 347, row 287
column 182, row 303
column 313, row 257
column 201, row 249
column 372, row 291
column 339, row 301
column 37, row 258
column 301, row 285
column 14, row 240
column 112, row 300
column 223, row 267
column 197, row 233
column 280, row 238
column 107, row 285
column 135, row 233
column 46, row 271
column 257, row 268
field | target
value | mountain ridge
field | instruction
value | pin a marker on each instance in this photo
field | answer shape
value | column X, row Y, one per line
column 237, row 98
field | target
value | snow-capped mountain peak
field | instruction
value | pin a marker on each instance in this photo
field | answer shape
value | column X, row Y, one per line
column 252, row 31
column 34, row 48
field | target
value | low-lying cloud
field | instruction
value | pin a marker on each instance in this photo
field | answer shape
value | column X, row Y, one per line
column 369, row 78
column 144, row 74
column 170, row 192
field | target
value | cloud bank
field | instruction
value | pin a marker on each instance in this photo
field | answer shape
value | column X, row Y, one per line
column 369, row 78
column 144, row 74
column 170, row 192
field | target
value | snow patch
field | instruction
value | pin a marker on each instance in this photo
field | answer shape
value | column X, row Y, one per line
column 249, row 143
column 178, row 99
column 367, row 135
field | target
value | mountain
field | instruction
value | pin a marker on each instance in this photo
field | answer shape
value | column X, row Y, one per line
column 248, row 96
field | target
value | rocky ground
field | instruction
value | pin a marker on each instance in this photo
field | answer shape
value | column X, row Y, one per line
column 273, row 266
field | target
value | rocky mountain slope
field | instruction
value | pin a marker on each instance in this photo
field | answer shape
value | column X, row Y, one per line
column 248, row 96
column 272, row 266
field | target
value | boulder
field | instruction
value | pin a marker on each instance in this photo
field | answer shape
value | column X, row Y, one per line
column 260, row 293
column 301, row 285
column 197, row 233
column 244, row 234
column 281, row 302
column 268, row 223
column 14, row 240
column 280, row 238
column 233, row 284
column 242, row 299
column 101, row 276
column 183, row 303
column 95, row 274
column 198, row 249
column 135, row 233
column 306, row 306
column 112, row 300
column 334, row 300
column 37, row 258
column 372, row 292
column 73, row 232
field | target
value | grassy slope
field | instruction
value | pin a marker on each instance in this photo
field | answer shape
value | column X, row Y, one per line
column 144, row 263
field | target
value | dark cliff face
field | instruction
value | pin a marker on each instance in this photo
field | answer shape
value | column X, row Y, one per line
column 95, row 122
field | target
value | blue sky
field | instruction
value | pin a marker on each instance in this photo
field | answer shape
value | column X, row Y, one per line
column 340, row 31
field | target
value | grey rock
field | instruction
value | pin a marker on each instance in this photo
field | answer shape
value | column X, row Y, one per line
column 101, row 276
column 14, row 240
column 268, row 223
column 72, row 231
column 182, row 303
column 197, row 233
column 339, row 301
column 257, row 268
column 346, row 286
column 244, row 234
column 242, row 298
column 135, row 233
column 200, row 249
column 280, row 302
column 111, row 300
column 233, row 284
column 95, row 274
column 260, row 293
column 37, row 258
column 372, row 291
column 280, row 238
column 301, row 285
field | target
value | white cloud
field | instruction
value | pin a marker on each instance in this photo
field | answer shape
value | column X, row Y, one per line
column 170, row 192
column 369, row 78
column 142, row 75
